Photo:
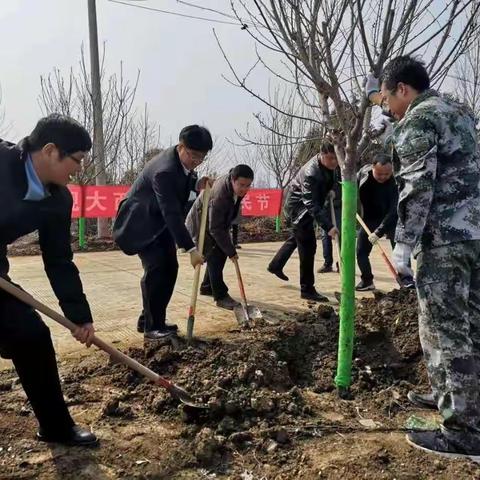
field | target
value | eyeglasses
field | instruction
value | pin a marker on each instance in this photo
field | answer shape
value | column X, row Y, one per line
column 79, row 161
column 196, row 157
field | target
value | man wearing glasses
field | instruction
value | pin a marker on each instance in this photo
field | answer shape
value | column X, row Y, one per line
column 34, row 197
column 151, row 223
column 439, row 221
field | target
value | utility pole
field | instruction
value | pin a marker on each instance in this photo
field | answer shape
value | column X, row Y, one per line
column 98, row 140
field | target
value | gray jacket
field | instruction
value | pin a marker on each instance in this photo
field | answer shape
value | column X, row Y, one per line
column 223, row 209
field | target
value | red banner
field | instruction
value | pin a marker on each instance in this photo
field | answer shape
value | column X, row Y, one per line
column 91, row 201
column 262, row 203
column 76, row 191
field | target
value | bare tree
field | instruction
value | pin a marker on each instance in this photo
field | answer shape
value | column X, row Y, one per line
column 71, row 95
column 279, row 136
column 327, row 47
column 141, row 138
column 467, row 79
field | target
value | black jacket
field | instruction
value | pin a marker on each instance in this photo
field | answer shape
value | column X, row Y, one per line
column 51, row 217
column 384, row 217
column 307, row 194
column 223, row 209
column 156, row 202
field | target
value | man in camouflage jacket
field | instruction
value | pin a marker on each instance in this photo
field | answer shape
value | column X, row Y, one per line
column 439, row 220
column 304, row 205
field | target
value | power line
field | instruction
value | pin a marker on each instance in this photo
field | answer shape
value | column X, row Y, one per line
column 188, row 4
column 169, row 12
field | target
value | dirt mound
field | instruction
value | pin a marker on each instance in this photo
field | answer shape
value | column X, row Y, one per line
column 272, row 412
column 256, row 383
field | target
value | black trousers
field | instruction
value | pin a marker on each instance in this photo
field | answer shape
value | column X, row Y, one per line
column 160, row 269
column 303, row 238
column 364, row 247
column 25, row 339
column 213, row 278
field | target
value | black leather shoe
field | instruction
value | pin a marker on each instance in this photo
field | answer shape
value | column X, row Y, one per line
column 77, row 437
column 325, row 268
column 422, row 400
column 278, row 273
column 206, row 291
column 314, row 296
column 364, row 286
column 158, row 334
column 227, row 302
column 170, row 328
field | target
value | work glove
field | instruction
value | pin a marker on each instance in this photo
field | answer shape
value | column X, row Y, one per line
column 401, row 259
column 372, row 85
column 196, row 258
column 373, row 238
column 382, row 128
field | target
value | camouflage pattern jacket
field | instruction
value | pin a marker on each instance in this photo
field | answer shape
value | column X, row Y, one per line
column 439, row 175
column 307, row 193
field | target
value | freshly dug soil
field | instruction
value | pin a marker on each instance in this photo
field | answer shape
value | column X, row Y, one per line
column 273, row 411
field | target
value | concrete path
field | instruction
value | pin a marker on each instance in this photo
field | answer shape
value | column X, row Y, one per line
column 111, row 282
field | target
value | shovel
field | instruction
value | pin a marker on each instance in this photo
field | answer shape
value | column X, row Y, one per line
column 382, row 251
column 117, row 356
column 244, row 312
column 337, row 238
column 196, row 276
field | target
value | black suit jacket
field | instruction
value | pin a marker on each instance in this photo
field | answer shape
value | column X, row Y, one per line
column 155, row 203
column 51, row 217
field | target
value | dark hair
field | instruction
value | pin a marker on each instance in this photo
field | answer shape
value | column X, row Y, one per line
column 407, row 70
column 327, row 147
column 243, row 171
column 65, row 132
column 196, row 137
column 381, row 159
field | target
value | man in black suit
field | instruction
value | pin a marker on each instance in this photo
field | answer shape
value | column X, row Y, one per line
column 151, row 220
column 34, row 197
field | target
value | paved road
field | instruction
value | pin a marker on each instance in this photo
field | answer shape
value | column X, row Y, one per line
column 111, row 281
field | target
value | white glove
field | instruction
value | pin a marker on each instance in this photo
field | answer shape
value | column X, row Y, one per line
column 401, row 259
column 382, row 128
column 373, row 238
column 372, row 85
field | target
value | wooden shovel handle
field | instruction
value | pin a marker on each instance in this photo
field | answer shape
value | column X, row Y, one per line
column 201, row 243
column 112, row 351
column 382, row 251
column 337, row 239
column 240, row 282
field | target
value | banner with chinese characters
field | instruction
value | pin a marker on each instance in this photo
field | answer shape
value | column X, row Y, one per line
column 91, row 201
column 262, row 203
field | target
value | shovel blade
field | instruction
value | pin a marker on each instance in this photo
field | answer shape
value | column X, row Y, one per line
column 182, row 395
column 245, row 315
column 254, row 313
column 241, row 315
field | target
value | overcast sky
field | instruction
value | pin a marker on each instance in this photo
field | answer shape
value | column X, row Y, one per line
column 180, row 63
